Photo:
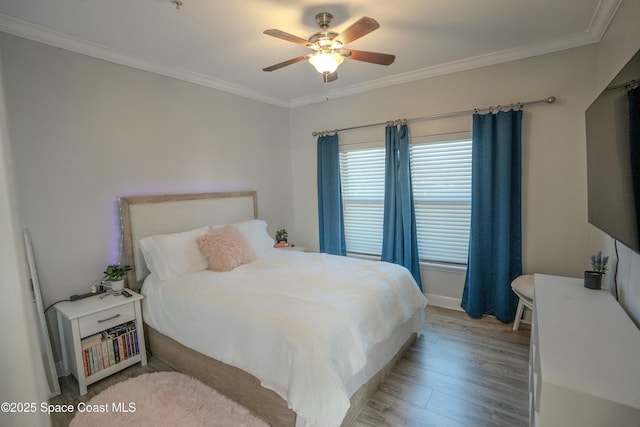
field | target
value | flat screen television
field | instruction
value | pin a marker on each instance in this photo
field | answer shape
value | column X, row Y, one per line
column 612, row 204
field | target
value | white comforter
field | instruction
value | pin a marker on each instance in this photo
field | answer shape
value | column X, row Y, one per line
column 301, row 323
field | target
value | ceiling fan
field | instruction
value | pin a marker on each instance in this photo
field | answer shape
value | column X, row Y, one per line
column 328, row 47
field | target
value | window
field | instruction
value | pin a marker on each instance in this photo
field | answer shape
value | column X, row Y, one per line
column 441, row 178
column 362, row 177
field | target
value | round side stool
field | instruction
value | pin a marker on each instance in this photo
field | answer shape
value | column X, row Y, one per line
column 523, row 288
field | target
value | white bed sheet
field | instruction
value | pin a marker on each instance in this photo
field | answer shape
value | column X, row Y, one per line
column 304, row 324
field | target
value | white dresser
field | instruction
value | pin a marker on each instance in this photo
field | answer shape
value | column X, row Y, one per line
column 584, row 366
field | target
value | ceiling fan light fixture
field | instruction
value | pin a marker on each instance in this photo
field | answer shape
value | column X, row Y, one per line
column 328, row 46
column 326, row 62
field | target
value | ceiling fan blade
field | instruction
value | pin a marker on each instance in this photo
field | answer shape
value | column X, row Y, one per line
column 285, row 63
column 373, row 57
column 329, row 77
column 361, row 27
column 288, row 37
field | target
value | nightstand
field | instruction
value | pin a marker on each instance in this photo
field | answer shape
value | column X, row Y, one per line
column 100, row 335
column 294, row 248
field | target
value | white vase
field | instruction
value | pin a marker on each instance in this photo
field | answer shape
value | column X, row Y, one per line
column 117, row 285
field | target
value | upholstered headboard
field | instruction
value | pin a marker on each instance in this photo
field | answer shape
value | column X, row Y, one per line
column 144, row 216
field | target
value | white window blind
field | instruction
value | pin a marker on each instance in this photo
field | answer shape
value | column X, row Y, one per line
column 441, row 177
column 362, row 176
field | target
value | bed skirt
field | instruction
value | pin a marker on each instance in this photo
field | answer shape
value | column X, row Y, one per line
column 245, row 388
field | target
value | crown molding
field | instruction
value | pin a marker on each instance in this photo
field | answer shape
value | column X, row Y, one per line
column 600, row 21
column 27, row 30
column 602, row 17
column 480, row 61
column 593, row 35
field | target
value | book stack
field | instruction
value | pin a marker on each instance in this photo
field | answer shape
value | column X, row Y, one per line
column 109, row 347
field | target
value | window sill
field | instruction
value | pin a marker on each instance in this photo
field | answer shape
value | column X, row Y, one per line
column 424, row 265
column 447, row 268
column 363, row 256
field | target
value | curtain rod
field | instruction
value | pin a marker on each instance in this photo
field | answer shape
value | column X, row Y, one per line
column 549, row 100
column 629, row 85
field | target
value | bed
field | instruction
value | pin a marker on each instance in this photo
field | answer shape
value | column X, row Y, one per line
column 248, row 332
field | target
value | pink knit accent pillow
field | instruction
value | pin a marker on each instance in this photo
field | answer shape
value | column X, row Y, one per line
column 225, row 249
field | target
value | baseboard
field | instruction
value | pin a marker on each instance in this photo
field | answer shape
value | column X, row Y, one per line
column 60, row 370
column 444, row 302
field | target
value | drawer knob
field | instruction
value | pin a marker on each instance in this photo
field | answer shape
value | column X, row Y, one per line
column 109, row 318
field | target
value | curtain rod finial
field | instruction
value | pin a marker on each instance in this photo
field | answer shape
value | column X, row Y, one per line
column 551, row 100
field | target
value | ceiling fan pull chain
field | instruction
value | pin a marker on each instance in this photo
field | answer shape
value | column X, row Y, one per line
column 326, row 88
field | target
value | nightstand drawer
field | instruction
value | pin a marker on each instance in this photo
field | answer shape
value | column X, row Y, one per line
column 105, row 319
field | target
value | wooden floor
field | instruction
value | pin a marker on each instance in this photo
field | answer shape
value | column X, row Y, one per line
column 459, row 372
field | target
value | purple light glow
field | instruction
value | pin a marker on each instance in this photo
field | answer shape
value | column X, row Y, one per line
column 185, row 189
column 116, row 234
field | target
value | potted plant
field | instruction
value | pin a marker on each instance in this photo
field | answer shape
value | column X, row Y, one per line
column 593, row 277
column 115, row 274
column 282, row 238
column 599, row 263
column 282, row 235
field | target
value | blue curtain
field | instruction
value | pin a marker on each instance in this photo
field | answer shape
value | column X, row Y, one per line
column 330, row 214
column 399, row 240
column 634, row 143
column 495, row 244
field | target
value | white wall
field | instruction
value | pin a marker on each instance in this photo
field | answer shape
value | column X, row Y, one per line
column 619, row 44
column 22, row 376
column 555, row 225
column 86, row 131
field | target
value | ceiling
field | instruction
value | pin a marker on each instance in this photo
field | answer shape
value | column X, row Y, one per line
column 219, row 43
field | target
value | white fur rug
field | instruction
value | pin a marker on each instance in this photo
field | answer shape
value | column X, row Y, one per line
column 162, row 399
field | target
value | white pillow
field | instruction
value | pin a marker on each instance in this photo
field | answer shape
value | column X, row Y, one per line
column 255, row 232
column 174, row 255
